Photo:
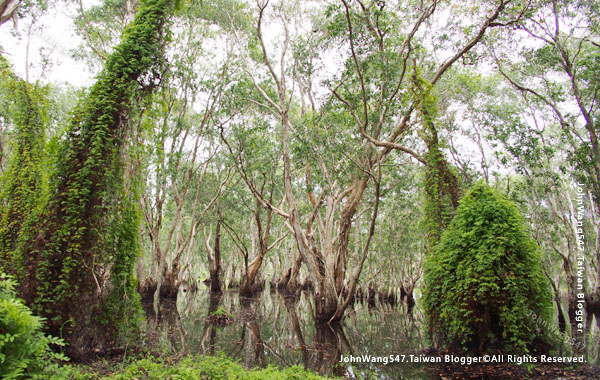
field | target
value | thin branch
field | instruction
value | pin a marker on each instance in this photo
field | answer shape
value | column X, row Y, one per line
column 487, row 24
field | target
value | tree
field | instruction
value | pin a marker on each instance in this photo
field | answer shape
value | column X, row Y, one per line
column 185, row 180
column 254, row 153
column 100, row 26
column 23, row 181
column 79, row 260
column 560, row 73
column 181, row 156
column 484, row 279
column 371, row 97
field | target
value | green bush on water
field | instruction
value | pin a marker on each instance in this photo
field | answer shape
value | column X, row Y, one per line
column 196, row 368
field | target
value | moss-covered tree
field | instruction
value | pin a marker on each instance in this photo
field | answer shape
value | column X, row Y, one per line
column 79, row 262
column 484, row 279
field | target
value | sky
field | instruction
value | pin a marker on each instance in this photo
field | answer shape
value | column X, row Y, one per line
column 52, row 35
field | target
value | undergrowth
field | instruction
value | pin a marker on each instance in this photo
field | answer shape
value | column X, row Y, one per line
column 194, row 368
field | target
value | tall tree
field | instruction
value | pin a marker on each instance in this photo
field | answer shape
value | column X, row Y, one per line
column 374, row 90
column 184, row 178
column 560, row 73
column 22, row 184
column 79, row 262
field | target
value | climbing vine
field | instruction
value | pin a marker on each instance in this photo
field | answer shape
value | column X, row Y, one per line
column 484, row 279
column 79, row 267
column 440, row 183
column 22, row 182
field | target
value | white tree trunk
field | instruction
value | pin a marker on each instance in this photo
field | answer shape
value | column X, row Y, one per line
column 7, row 9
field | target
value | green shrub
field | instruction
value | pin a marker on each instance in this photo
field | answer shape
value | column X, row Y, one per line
column 25, row 351
column 483, row 280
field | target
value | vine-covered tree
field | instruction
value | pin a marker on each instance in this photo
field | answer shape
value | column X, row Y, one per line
column 78, row 264
column 484, row 280
column 22, row 182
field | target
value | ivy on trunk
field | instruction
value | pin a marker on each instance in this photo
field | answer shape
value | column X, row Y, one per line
column 484, row 282
column 79, row 262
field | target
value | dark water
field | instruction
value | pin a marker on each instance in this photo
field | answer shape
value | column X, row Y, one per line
column 273, row 329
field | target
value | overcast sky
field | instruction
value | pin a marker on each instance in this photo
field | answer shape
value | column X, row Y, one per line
column 52, row 35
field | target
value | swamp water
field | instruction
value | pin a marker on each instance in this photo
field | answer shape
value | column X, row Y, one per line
column 273, row 329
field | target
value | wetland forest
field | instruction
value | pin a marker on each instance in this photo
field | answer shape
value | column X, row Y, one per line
column 299, row 189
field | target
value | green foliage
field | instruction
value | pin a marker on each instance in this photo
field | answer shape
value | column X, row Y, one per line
column 100, row 26
column 219, row 312
column 80, row 260
column 22, row 182
column 441, row 184
column 199, row 368
column 484, row 278
column 25, row 351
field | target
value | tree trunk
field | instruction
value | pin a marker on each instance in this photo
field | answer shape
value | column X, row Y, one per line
column 571, row 291
column 249, row 285
column 170, row 285
column 292, row 284
column 561, row 316
column 593, row 303
column 289, row 281
column 81, row 260
column 215, row 263
column 7, row 9
column 562, row 324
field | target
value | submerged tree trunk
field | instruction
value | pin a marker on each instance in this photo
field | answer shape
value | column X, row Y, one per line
column 292, row 286
column 214, row 260
column 249, row 285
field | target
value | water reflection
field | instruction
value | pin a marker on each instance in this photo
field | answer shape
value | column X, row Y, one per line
column 210, row 330
column 273, row 329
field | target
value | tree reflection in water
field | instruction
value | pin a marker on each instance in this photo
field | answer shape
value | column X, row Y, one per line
column 274, row 329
